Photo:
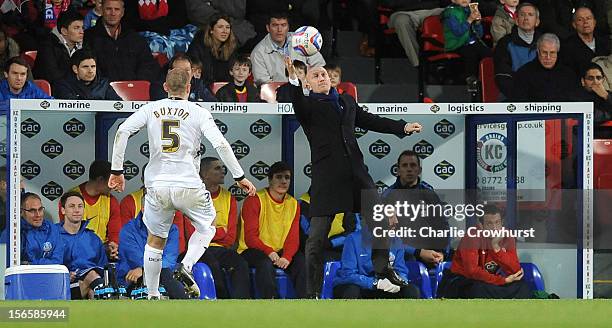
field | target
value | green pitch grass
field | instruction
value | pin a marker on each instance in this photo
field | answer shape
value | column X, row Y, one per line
column 327, row 313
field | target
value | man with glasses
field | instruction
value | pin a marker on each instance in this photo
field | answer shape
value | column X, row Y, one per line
column 40, row 238
column 593, row 90
column 544, row 79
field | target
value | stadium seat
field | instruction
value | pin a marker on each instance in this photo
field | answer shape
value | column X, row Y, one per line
column 418, row 275
column 132, row 90
column 267, row 91
column 349, row 88
column 205, row 281
column 490, row 92
column 284, row 286
column 384, row 33
column 43, row 85
column 161, row 58
column 30, row 57
column 216, row 86
column 439, row 274
column 327, row 292
column 533, row 276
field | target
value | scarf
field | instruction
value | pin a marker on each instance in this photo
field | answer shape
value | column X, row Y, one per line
column 333, row 97
column 52, row 12
column 527, row 37
column 510, row 12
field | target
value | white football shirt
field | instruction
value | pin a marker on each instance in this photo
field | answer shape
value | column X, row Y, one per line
column 174, row 128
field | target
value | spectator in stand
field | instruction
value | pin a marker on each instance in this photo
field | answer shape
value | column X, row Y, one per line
column 214, row 46
column 580, row 48
column 240, row 89
column 84, row 83
column 557, row 16
column 162, row 23
column 15, row 85
column 268, row 57
column 199, row 91
column 517, row 49
column 504, row 19
column 196, row 68
column 283, row 93
column 592, row 90
column 122, row 54
column 52, row 11
column 544, row 78
column 269, row 237
column 53, row 58
column 200, row 13
column 8, row 49
column 335, row 76
column 93, row 15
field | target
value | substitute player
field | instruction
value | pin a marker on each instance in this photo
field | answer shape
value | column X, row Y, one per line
column 175, row 127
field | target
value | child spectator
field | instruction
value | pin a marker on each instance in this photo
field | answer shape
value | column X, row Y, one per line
column 504, row 19
column 462, row 34
column 196, row 68
column 283, row 93
column 93, row 15
column 335, row 76
column 239, row 90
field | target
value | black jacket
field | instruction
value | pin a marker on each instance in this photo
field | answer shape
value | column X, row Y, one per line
column 53, row 60
column 213, row 69
column 71, row 88
column 556, row 15
column 533, row 82
column 227, row 93
column 602, row 109
column 507, row 51
column 576, row 55
column 124, row 59
column 338, row 171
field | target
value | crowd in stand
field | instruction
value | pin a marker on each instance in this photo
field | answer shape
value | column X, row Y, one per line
column 543, row 51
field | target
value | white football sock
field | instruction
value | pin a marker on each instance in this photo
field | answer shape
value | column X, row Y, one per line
column 198, row 243
column 152, row 268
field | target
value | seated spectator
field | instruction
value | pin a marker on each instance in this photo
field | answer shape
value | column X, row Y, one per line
column 342, row 225
column 8, row 49
column 84, row 253
column 199, row 91
column 283, row 93
column 592, row 90
column 220, row 256
column 123, row 54
column 101, row 208
column 462, row 34
column 196, row 68
column 544, row 78
column 407, row 20
column 268, row 56
column 162, row 23
column 133, row 238
column 52, row 11
column 356, row 278
column 580, row 48
column 84, row 83
column 214, row 46
column 240, row 89
column 605, row 62
column 557, row 16
column 269, row 236
column 200, row 12
column 335, row 76
column 410, row 187
column 518, row 48
column 15, row 85
column 504, row 19
column 475, row 268
column 40, row 238
column 93, row 15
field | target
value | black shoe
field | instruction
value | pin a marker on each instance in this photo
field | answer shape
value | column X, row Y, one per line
column 186, row 278
column 393, row 277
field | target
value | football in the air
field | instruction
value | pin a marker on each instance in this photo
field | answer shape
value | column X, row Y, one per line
column 307, row 40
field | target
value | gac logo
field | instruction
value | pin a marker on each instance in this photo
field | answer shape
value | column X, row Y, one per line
column 240, row 149
column 423, row 148
column 130, row 170
column 30, row 128
column 74, row 170
column 444, row 170
column 52, row 148
column 380, row 149
column 74, row 127
column 51, row 190
column 30, row 170
column 261, row 129
column 222, row 126
column 259, row 170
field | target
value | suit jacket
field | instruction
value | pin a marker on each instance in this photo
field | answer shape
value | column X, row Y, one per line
column 338, row 171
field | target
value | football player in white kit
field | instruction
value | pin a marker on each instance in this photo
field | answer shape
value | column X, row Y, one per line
column 175, row 127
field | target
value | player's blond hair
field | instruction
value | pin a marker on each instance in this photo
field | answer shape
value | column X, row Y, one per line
column 177, row 80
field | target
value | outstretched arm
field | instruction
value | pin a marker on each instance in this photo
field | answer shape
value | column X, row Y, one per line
column 380, row 124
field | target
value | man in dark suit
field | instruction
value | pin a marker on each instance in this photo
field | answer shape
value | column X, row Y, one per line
column 339, row 175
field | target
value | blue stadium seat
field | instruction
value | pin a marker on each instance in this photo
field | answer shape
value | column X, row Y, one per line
column 327, row 292
column 439, row 273
column 284, row 286
column 418, row 275
column 204, row 278
column 533, row 276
